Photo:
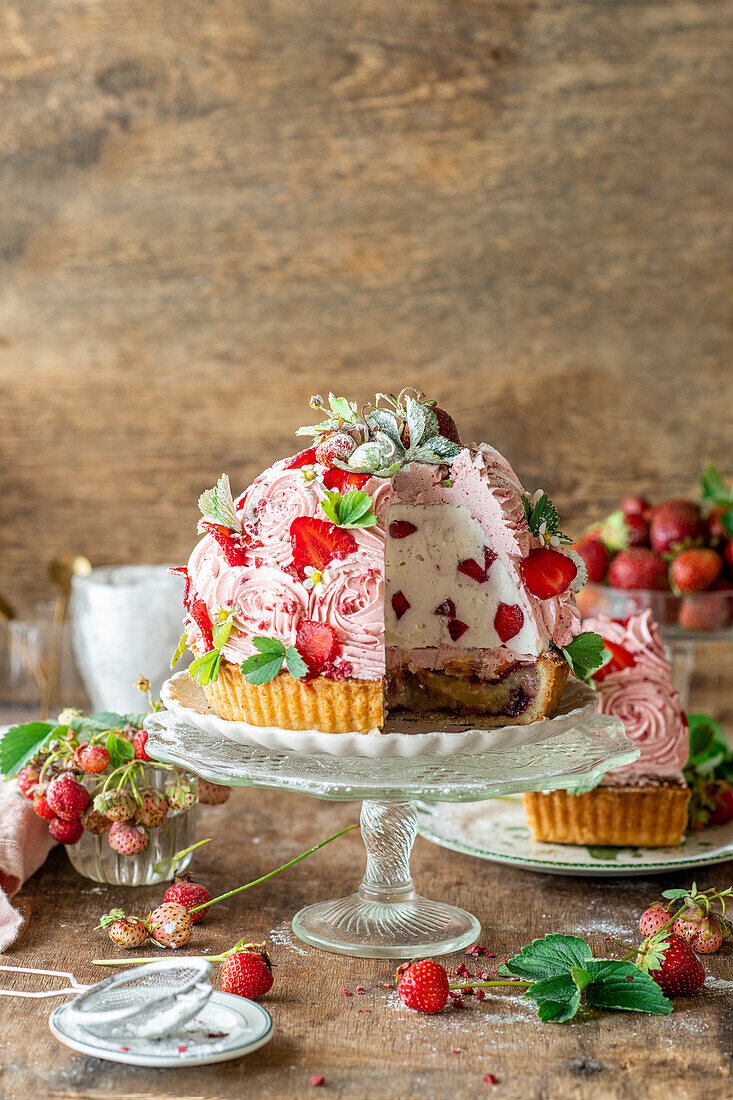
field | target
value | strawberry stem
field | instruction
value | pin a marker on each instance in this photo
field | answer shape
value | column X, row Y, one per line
column 486, row 985
column 184, row 852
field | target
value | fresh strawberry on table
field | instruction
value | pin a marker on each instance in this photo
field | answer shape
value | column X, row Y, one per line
column 695, row 570
column 595, row 556
column 671, row 963
column 675, row 525
column 248, row 972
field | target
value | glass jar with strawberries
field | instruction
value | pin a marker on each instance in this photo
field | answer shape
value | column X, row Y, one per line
column 121, row 816
column 676, row 559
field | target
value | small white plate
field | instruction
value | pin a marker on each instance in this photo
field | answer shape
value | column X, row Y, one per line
column 497, row 830
column 227, row 1027
column 404, row 736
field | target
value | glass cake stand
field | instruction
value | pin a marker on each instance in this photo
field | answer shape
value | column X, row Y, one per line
column 386, row 918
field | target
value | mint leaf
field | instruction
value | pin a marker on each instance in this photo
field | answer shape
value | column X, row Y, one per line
column 296, row 666
column 557, row 998
column 20, row 744
column 713, row 486
column 586, row 654
column 547, row 958
column 205, row 670
column 119, row 750
column 180, row 650
column 621, row 985
column 260, row 668
column 350, row 509
column 217, row 505
column 268, row 645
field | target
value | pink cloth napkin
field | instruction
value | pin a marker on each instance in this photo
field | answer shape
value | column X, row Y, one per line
column 24, row 844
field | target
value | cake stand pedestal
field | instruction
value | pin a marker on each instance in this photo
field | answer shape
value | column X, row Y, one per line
column 386, row 918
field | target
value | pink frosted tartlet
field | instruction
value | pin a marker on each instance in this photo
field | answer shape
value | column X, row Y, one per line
column 387, row 567
column 644, row 803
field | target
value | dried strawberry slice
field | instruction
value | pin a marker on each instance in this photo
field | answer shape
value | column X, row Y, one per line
column 233, row 553
column 303, row 458
column 182, row 571
column 401, row 528
column 547, row 572
column 456, row 629
column 316, row 643
column 447, row 608
column 316, row 542
column 343, row 480
column 200, row 615
column 471, row 568
column 620, row 659
column 508, row 620
column 400, row 604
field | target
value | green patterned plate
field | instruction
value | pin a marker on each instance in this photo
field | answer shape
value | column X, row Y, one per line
column 497, row 831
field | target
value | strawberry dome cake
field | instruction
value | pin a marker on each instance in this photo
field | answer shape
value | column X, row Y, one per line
column 643, row 803
column 387, row 567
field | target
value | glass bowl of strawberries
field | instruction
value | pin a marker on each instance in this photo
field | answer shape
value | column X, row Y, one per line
column 121, row 816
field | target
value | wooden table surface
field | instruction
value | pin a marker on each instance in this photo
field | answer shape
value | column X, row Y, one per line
column 370, row 1045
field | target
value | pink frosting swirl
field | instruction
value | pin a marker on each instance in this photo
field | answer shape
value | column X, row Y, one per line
column 353, row 604
column 643, row 697
column 271, row 505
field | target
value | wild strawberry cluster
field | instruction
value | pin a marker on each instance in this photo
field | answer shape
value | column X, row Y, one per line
column 99, row 781
column 680, row 546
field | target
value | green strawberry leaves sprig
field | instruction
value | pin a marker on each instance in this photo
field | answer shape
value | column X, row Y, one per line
column 264, row 665
column 217, row 506
column 543, row 520
column 586, row 654
column 351, row 509
column 714, row 491
column 20, row 744
column 205, row 669
column 563, row 974
column 381, row 432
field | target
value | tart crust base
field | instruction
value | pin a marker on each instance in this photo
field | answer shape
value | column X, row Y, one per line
column 331, row 706
column 646, row 815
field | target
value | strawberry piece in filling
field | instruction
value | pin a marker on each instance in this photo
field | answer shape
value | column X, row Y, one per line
column 227, row 540
column 547, row 572
column 447, row 608
column 316, row 542
column 508, row 620
column 400, row 604
column 316, row 643
column 471, row 568
column 401, row 528
column 456, row 629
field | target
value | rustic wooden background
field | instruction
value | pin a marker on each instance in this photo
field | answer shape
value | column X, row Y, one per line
column 210, row 209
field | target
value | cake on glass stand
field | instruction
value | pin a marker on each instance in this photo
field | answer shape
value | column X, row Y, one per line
column 386, row 917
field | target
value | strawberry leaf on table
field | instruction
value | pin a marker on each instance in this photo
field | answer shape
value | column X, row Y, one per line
column 20, row 744
column 557, row 998
column 586, row 654
column 350, row 509
column 264, row 665
column 547, row 958
column 612, row 983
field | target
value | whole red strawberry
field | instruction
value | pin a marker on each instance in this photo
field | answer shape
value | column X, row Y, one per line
column 595, row 556
column 26, row 779
column 170, row 925
column 211, row 794
column 66, row 832
column 67, row 797
column 93, row 759
column 138, row 745
column 337, row 446
column 638, row 568
column 620, row 530
column 722, row 812
column 653, row 918
column 705, row 611
column 635, row 506
column 423, row 985
column 188, row 894
column 695, row 570
column 703, row 933
column 671, row 963
column 675, row 524
column 248, row 972
column 42, row 808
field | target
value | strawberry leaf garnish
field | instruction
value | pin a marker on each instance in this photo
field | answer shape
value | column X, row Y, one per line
column 217, row 505
column 586, row 654
column 543, row 520
column 350, row 509
column 205, row 669
column 713, row 486
column 20, row 744
column 264, row 665
column 179, row 650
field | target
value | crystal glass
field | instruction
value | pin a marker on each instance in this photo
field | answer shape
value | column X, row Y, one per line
column 38, row 675
column 92, row 856
column 386, row 917
column 126, row 623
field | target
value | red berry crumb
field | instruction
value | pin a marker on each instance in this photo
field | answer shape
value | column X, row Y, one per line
column 400, row 604
column 490, row 1079
column 317, row 1080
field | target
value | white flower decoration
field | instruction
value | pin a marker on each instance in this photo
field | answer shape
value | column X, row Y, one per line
column 315, row 579
column 544, row 535
column 308, row 475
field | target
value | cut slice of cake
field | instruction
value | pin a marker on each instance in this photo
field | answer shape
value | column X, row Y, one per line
column 386, row 568
column 641, row 804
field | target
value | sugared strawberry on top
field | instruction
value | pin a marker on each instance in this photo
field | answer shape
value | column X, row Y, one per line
column 316, row 643
column 638, row 567
column 675, row 524
column 335, row 447
column 316, row 542
column 547, row 572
